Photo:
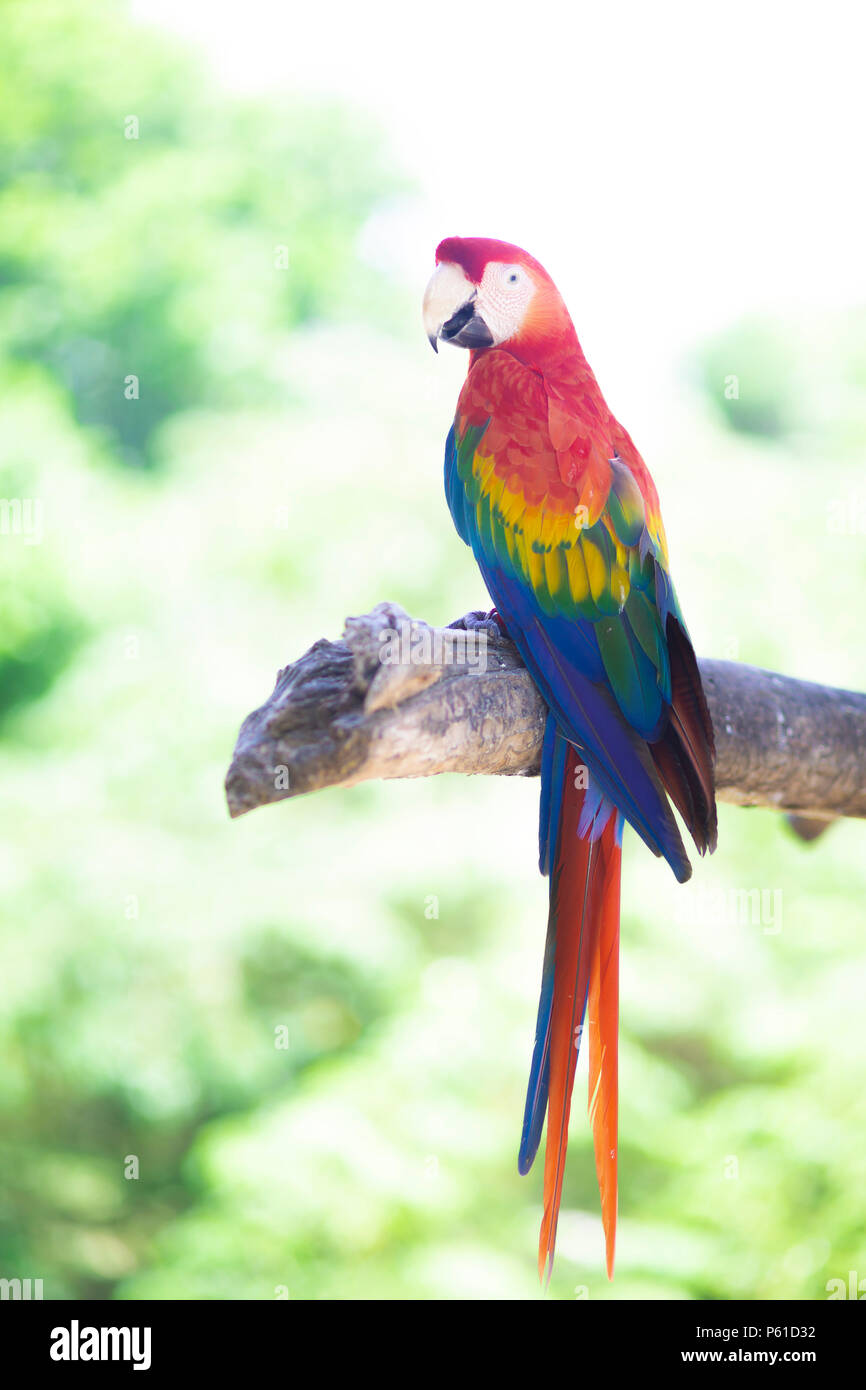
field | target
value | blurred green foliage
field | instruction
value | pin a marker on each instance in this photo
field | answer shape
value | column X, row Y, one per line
column 287, row 1055
column 156, row 243
column 803, row 380
column 766, row 358
column 149, row 229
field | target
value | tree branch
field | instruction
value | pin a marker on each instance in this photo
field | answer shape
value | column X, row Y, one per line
column 397, row 698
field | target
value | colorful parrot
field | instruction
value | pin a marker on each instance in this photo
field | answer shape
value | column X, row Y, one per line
column 563, row 519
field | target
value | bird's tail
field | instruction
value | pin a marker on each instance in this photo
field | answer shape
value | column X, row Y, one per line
column 581, row 834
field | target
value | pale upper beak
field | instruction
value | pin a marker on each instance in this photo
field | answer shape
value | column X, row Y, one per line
column 451, row 310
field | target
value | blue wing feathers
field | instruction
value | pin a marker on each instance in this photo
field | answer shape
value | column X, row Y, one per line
column 588, row 715
column 565, row 660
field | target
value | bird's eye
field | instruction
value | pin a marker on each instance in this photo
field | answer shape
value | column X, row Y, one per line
column 512, row 279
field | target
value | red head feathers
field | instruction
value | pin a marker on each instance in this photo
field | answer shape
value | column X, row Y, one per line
column 510, row 293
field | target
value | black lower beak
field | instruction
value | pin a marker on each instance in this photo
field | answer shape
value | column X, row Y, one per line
column 466, row 329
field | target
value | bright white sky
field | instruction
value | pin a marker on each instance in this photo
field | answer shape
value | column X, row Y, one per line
column 671, row 164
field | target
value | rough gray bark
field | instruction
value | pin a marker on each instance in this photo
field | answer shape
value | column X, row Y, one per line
column 396, row 698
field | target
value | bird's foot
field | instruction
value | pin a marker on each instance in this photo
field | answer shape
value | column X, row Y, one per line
column 479, row 621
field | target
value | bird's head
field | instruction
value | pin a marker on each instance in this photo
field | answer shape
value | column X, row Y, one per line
column 486, row 294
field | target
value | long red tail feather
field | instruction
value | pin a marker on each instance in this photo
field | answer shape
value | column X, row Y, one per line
column 585, row 901
column 602, row 1014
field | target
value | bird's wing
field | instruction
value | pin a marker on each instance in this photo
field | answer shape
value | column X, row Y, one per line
column 564, row 522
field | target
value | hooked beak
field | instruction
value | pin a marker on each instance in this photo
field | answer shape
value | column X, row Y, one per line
column 451, row 310
column 466, row 328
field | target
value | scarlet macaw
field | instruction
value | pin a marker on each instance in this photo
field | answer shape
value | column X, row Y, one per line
column 563, row 519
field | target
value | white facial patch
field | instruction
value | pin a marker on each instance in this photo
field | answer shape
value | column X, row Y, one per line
column 504, row 295
column 448, row 291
